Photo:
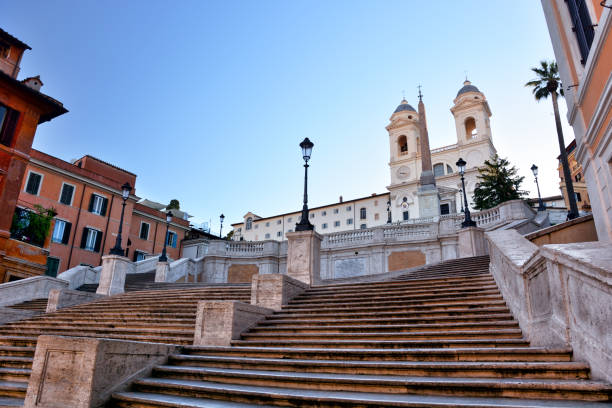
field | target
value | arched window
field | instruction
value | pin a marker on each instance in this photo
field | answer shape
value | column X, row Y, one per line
column 470, row 128
column 362, row 213
column 249, row 223
column 402, row 145
column 438, row 169
column 449, row 169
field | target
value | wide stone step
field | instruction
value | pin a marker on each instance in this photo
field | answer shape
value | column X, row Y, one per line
column 150, row 338
column 18, row 340
column 417, row 335
column 447, row 386
column 127, row 333
column 469, row 286
column 376, row 287
column 14, row 374
column 73, row 314
column 393, row 313
column 380, row 328
column 211, row 395
column 515, row 369
column 14, row 389
column 407, row 297
column 104, row 320
column 491, row 354
column 373, row 343
column 8, row 402
column 15, row 351
column 93, row 324
column 442, row 304
column 16, row 362
column 332, row 321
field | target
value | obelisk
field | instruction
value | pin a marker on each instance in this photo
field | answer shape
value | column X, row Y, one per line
column 428, row 195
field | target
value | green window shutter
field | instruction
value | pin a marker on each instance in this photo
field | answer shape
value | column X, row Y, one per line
column 84, row 237
column 98, row 241
column 66, row 236
column 104, row 206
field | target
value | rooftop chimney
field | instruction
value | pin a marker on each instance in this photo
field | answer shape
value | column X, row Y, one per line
column 340, row 198
column 33, row 82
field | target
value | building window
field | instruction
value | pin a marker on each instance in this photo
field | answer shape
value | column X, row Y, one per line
column 312, row 215
column 144, row 231
column 98, row 204
column 279, row 222
column 405, row 215
column 438, row 170
column 61, row 232
column 91, row 239
column 444, row 209
column 578, row 177
column 8, row 123
column 362, row 213
column 279, row 234
column 4, row 49
column 582, row 26
column 171, row 239
column 139, row 256
column 268, row 224
column 52, row 266
column 578, row 197
column 349, row 221
column 363, row 226
column 324, row 213
column 402, row 144
column 267, row 236
column 335, row 211
column 33, row 184
column 67, row 194
column 336, row 223
column 289, row 219
column 449, row 169
column 349, row 208
column 470, row 128
column 249, row 223
column 324, row 226
column 376, row 217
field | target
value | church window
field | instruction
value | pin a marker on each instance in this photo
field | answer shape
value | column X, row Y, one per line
column 449, row 169
column 279, row 234
column 267, row 236
column 335, row 211
column 444, row 209
column 405, row 215
column 336, row 223
column 438, row 169
column 402, row 143
column 470, row 128
column 324, row 225
column 267, row 224
column 324, row 213
column 362, row 213
column 249, row 223
column 363, row 226
column 278, row 222
column 348, row 208
column 312, row 215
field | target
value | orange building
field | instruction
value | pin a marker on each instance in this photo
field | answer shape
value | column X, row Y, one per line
column 86, row 197
column 580, row 34
column 22, row 108
column 580, row 188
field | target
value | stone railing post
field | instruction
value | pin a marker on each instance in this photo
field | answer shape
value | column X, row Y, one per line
column 162, row 269
column 304, row 256
column 472, row 242
column 112, row 277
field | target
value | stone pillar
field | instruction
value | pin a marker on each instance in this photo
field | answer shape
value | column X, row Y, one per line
column 272, row 291
column 220, row 322
column 303, row 256
column 80, row 372
column 112, row 277
column 161, row 271
column 472, row 242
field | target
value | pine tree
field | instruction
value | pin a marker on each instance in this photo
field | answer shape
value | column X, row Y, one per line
column 498, row 182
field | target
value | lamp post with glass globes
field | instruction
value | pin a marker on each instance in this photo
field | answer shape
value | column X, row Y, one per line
column 125, row 193
column 304, row 224
column 221, row 218
column 468, row 219
column 163, row 257
column 541, row 206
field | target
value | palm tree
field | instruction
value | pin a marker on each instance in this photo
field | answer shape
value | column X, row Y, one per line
column 546, row 84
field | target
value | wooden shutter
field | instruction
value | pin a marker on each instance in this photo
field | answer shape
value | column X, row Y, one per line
column 91, row 202
column 8, row 130
column 66, row 236
column 84, row 237
column 67, row 192
column 104, row 206
column 33, row 183
column 98, row 241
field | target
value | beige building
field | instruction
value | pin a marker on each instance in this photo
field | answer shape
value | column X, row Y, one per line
column 471, row 113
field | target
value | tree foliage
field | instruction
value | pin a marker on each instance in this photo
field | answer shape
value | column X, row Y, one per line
column 497, row 183
column 229, row 235
column 32, row 226
column 174, row 205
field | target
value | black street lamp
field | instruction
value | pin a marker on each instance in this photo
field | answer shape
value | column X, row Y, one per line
column 304, row 224
column 221, row 218
column 389, row 211
column 468, row 219
column 125, row 193
column 541, row 206
column 163, row 257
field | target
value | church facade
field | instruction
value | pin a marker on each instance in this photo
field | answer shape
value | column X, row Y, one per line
column 407, row 134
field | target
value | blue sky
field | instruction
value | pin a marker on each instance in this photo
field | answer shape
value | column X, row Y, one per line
column 207, row 101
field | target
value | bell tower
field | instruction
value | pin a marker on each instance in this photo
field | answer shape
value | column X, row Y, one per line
column 403, row 142
column 471, row 111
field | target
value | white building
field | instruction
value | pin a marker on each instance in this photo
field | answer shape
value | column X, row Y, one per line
column 471, row 113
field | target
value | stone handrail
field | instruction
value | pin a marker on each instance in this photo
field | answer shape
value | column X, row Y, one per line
column 244, row 247
column 23, row 290
column 350, row 236
column 407, row 232
column 561, row 294
column 80, row 275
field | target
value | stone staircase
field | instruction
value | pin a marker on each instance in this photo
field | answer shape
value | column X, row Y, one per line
column 437, row 338
column 34, row 305
column 162, row 316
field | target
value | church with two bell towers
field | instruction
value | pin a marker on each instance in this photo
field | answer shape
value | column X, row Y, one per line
column 422, row 185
